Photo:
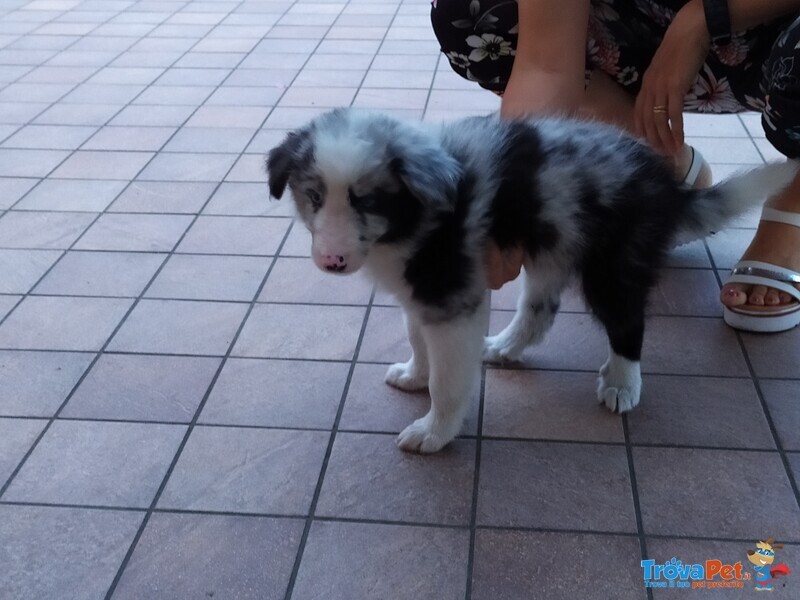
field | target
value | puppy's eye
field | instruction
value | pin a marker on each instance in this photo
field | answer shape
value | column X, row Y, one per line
column 359, row 202
column 316, row 199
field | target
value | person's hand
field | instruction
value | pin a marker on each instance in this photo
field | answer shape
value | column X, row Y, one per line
column 504, row 265
column 659, row 105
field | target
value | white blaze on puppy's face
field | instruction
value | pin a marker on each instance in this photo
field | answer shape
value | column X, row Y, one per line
column 337, row 242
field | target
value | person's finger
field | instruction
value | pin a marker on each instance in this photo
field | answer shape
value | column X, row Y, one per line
column 661, row 114
column 649, row 123
column 676, row 119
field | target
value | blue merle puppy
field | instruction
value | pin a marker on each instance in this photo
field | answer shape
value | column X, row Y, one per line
column 416, row 205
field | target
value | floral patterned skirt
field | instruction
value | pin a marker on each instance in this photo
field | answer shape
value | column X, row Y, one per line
column 755, row 71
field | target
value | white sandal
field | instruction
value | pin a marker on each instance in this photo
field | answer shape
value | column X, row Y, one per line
column 699, row 174
column 766, row 319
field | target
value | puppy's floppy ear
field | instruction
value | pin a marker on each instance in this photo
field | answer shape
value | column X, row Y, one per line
column 428, row 171
column 284, row 159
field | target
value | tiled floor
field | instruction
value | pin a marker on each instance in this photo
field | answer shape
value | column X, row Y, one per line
column 188, row 409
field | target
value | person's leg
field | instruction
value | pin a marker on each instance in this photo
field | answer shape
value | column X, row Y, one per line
column 477, row 38
column 777, row 243
column 605, row 100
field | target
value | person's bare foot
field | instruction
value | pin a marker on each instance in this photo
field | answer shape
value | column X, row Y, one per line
column 774, row 243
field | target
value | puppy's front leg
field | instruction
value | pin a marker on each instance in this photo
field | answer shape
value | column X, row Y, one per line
column 413, row 374
column 454, row 351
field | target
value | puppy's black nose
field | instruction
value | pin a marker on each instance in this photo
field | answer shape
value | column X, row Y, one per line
column 334, row 262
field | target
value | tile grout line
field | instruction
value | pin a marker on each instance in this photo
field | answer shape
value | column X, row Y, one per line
column 751, row 138
column 326, row 460
column 525, row 369
column 637, row 508
column 36, row 294
column 365, row 521
column 787, row 467
column 430, row 88
column 383, row 432
column 473, row 519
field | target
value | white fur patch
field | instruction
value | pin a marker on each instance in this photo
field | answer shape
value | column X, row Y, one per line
column 620, row 383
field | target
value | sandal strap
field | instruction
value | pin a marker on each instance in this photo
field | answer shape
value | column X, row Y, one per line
column 780, row 216
column 695, row 166
column 753, row 272
column 763, row 269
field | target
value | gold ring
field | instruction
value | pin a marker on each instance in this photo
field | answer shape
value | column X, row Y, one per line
column 661, row 109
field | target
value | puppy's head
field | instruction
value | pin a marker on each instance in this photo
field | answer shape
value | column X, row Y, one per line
column 361, row 179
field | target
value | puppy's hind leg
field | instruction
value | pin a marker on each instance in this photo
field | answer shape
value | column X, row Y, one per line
column 620, row 384
column 454, row 351
column 620, row 308
column 413, row 374
column 536, row 310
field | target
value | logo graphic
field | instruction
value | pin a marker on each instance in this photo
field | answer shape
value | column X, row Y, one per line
column 763, row 558
column 714, row 574
column 709, row 574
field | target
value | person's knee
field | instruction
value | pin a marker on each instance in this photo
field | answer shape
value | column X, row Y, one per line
column 781, row 113
column 445, row 17
column 464, row 37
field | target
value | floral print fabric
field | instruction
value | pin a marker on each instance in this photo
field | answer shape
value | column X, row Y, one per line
column 758, row 70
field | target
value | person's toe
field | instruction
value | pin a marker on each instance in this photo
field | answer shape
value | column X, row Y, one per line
column 757, row 294
column 734, row 294
column 772, row 298
column 784, row 298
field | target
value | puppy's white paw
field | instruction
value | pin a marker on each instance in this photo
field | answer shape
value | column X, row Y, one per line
column 617, row 399
column 405, row 376
column 426, row 436
column 501, row 348
column 620, row 385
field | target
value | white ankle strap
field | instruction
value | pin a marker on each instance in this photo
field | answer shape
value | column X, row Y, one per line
column 780, row 216
column 695, row 166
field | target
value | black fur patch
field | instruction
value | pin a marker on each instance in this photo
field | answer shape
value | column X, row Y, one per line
column 440, row 268
column 627, row 239
column 517, row 205
column 293, row 153
column 401, row 210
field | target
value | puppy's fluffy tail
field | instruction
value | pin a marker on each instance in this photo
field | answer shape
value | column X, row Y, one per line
column 712, row 209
